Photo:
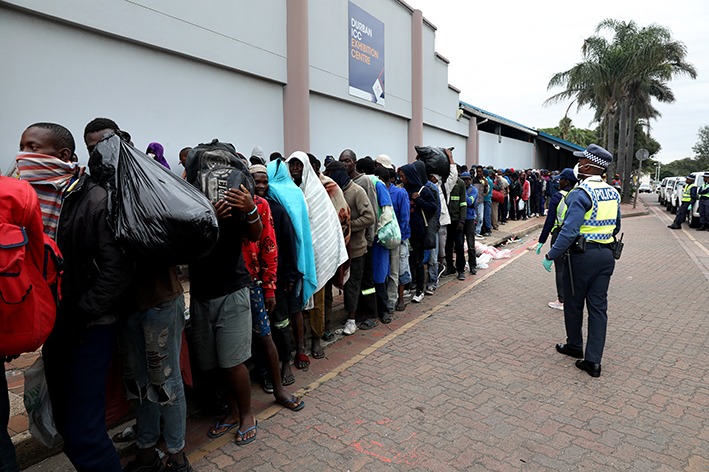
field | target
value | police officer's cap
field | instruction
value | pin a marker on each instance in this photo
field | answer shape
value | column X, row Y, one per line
column 706, row 174
column 691, row 177
column 568, row 174
column 596, row 154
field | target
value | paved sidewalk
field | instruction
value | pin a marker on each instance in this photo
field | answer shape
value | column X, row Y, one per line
column 340, row 355
column 475, row 383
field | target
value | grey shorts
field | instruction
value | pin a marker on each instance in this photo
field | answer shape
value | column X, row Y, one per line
column 221, row 330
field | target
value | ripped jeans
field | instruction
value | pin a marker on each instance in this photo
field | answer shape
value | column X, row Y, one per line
column 149, row 343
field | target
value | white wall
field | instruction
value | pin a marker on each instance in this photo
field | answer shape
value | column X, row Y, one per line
column 336, row 125
column 245, row 35
column 507, row 153
column 62, row 74
column 437, row 137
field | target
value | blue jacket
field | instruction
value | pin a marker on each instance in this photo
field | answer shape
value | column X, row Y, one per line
column 402, row 209
column 471, row 197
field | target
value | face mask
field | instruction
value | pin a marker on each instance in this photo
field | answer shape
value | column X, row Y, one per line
column 576, row 171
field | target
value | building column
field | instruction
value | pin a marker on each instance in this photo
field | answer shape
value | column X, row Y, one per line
column 416, row 121
column 472, row 149
column 296, row 93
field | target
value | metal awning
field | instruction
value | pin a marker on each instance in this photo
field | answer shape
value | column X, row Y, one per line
column 496, row 118
column 569, row 146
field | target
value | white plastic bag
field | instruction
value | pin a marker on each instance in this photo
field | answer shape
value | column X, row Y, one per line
column 520, row 204
column 38, row 406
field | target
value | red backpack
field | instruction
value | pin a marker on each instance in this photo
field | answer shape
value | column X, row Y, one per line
column 30, row 271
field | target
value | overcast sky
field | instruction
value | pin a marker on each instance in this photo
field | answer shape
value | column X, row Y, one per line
column 504, row 53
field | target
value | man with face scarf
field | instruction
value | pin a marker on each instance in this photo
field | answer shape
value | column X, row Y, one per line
column 424, row 203
column 361, row 218
column 45, row 161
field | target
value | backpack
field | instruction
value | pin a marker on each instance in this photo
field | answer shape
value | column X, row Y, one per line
column 29, row 282
column 215, row 168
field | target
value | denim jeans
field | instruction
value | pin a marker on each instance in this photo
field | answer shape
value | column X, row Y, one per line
column 8, row 461
column 76, row 363
column 433, row 266
column 487, row 223
column 480, row 216
column 150, row 342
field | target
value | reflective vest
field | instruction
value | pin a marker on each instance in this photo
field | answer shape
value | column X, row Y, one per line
column 560, row 210
column 599, row 222
column 687, row 193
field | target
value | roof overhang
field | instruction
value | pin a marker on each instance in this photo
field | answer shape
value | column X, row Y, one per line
column 558, row 142
column 479, row 112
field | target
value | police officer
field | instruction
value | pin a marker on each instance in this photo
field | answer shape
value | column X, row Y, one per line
column 552, row 225
column 703, row 196
column 689, row 195
column 592, row 219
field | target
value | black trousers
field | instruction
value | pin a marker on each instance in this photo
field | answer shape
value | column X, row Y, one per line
column 416, row 264
column 681, row 214
column 454, row 241
column 469, row 231
column 592, row 272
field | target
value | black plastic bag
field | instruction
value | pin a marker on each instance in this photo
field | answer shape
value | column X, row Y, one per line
column 155, row 214
column 215, row 168
column 435, row 159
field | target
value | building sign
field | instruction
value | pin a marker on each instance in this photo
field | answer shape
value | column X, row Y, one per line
column 366, row 49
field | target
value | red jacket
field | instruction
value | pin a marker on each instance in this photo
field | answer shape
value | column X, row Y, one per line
column 261, row 257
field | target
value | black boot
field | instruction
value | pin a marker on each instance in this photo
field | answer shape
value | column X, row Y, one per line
column 674, row 226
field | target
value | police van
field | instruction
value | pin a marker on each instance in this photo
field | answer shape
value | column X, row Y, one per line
column 662, row 192
column 693, row 215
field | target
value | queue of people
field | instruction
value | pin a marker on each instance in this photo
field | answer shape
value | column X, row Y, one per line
column 381, row 235
column 303, row 231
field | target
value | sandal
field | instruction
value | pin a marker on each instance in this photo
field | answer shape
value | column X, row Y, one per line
column 367, row 324
column 401, row 306
column 328, row 336
column 386, row 319
column 128, row 434
column 220, row 429
column 302, row 361
column 241, row 434
column 293, row 403
column 288, row 379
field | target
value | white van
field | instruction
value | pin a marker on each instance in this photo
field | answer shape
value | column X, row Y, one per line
column 668, row 184
column 693, row 216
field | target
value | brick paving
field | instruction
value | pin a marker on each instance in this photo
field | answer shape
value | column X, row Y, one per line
column 469, row 380
column 477, row 385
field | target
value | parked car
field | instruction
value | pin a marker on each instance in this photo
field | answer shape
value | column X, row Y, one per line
column 661, row 190
column 644, row 188
column 673, row 194
column 667, row 182
column 693, row 215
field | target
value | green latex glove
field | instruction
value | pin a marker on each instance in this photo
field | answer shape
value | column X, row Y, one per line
column 539, row 248
column 547, row 264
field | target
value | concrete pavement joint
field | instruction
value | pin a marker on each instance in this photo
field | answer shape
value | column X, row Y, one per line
column 217, row 443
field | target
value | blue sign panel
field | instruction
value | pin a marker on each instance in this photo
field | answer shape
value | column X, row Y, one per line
column 366, row 49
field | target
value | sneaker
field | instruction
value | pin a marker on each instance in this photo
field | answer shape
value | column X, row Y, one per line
column 407, row 293
column 473, row 271
column 418, row 298
column 183, row 467
column 429, row 290
column 461, row 276
column 479, row 236
column 155, row 466
column 350, row 328
column 485, row 235
column 557, row 305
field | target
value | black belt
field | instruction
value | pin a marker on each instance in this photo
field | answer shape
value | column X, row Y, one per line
column 598, row 244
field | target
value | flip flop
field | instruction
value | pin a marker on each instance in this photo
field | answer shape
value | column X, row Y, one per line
column 318, row 354
column 288, row 379
column 241, row 434
column 293, row 403
column 126, row 435
column 328, row 336
column 302, row 361
column 219, row 425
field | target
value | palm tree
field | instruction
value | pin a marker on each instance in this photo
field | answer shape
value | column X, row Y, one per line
column 619, row 78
